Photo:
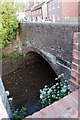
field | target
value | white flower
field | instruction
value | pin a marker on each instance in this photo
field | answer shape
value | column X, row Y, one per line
column 57, row 94
column 56, row 97
column 54, row 90
column 64, row 87
column 59, row 76
column 49, row 91
column 62, row 74
column 58, row 87
column 56, row 78
column 45, row 86
column 53, row 96
column 57, row 83
column 10, row 99
column 63, row 90
column 7, row 93
column 41, row 96
column 43, row 93
column 40, row 90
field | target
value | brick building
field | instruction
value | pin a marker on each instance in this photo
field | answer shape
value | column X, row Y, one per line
column 28, row 13
column 50, row 10
column 38, row 12
column 70, row 10
column 55, row 10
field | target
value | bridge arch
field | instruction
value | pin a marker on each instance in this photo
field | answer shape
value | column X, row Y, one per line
column 41, row 53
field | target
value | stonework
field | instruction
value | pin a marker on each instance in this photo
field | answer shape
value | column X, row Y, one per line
column 49, row 39
column 5, row 111
column 75, row 71
column 59, row 109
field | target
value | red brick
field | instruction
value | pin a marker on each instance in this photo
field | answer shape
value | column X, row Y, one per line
column 73, row 78
column 79, row 82
column 75, row 46
column 75, row 53
column 76, row 74
column 73, row 83
column 77, row 61
column 79, row 68
column 74, row 66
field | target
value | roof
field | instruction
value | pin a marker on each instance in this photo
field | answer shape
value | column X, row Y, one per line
column 29, row 8
column 38, row 6
column 48, row 1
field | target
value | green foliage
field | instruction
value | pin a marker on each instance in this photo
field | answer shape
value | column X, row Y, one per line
column 20, row 6
column 56, row 92
column 12, row 57
column 9, row 22
column 19, row 114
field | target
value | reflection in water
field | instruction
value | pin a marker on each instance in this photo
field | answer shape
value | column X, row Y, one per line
column 24, row 83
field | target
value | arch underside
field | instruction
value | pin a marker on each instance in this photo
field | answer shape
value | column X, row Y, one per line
column 44, row 55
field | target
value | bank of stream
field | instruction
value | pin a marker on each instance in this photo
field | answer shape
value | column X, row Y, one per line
column 25, row 82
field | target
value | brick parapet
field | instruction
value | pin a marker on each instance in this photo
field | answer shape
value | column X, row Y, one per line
column 75, row 71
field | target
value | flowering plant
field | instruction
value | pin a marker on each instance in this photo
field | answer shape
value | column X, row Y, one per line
column 48, row 95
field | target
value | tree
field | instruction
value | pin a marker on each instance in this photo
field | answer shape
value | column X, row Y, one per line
column 9, row 22
column 20, row 6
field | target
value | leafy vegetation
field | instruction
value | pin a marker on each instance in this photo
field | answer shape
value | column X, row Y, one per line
column 18, row 114
column 56, row 92
column 9, row 22
column 20, row 6
column 12, row 57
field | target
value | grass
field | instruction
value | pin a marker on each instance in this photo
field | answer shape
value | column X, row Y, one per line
column 11, row 57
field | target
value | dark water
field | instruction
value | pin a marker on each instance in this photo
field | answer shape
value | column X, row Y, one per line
column 24, row 83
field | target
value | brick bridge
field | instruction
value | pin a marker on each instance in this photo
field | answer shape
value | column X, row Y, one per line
column 57, row 43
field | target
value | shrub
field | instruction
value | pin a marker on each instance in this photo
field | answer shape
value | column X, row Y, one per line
column 48, row 95
column 18, row 114
column 12, row 57
column 9, row 22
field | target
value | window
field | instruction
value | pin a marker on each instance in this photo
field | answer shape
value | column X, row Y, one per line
column 58, row 5
column 58, row 18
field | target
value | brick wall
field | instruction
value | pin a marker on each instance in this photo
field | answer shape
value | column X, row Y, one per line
column 70, row 10
column 56, row 39
column 28, row 15
column 75, row 72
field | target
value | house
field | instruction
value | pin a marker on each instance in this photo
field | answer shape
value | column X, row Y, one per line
column 58, row 10
column 54, row 10
column 50, row 10
column 70, row 10
column 28, row 13
column 39, row 12
column 63, row 10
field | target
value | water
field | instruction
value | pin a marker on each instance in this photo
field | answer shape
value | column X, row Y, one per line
column 24, row 83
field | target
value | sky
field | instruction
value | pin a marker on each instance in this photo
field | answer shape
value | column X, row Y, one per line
column 24, row 0
column 21, row 1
